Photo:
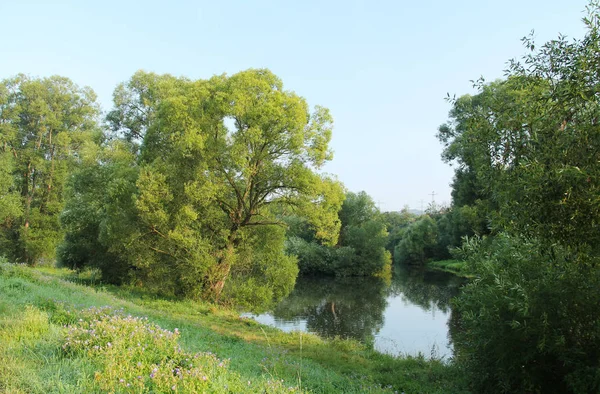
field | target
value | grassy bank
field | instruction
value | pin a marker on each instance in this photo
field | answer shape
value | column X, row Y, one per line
column 57, row 335
column 455, row 267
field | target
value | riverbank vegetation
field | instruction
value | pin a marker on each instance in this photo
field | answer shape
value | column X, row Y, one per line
column 360, row 250
column 60, row 333
column 436, row 235
column 453, row 266
column 524, row 219
column 210, row 193
column 531, row 320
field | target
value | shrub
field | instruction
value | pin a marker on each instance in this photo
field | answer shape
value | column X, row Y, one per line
column 530, row 322
column 417, row 242
column 313, row 258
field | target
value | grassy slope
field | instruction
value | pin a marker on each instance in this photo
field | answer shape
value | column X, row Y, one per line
column 32, row 359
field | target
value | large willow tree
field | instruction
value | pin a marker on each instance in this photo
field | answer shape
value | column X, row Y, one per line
column 220, row 162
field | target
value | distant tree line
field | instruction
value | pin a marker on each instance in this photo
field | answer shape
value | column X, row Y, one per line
column 438, row 233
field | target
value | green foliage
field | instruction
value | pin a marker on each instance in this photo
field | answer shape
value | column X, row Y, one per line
column 457, row 267
column 363, row 238
column 533, row 135
column 263, row 273
column 465, row 187
column 529, row 323
column 417, row 242
column 369, row 256
column 357, row 209
column 99, row 215
column 396, row 222
column 44, row 126
column 456, row 223
column 361, row 246
column 178, row 207
column 531, row 320
column 314, row 258
column 433, row 237
column 137, row 100
column 10, row 202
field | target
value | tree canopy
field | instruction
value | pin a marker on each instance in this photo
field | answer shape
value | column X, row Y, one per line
column 528, row 147
column 45, row 125
column 214, row 161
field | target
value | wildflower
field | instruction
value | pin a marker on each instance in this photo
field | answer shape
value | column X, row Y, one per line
column 173, row 387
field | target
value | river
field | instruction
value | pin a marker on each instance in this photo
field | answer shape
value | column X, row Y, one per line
column 410, row 315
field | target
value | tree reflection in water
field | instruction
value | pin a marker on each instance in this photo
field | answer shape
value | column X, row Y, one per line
column 356, row 307
column 430, row 290
column 344, row 307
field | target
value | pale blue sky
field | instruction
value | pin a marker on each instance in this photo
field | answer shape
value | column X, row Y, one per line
column 382, row 67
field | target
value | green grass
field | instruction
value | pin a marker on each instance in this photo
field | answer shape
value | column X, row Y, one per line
column 43, row 311
column 456, row 267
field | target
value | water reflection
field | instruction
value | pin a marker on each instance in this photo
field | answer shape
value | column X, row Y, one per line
column 431, row 290
column 408, row 315
column 337, row 307
column 418, row 313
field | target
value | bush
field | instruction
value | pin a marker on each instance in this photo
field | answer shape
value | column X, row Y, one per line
column 417, row 242
column 530, row 322
column 313, row 258
column 367, row 241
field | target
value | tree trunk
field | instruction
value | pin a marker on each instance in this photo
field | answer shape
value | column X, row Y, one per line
column 220, row 273
column 27, row 194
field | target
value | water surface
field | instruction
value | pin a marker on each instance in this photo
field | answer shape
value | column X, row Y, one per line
column 407, row 316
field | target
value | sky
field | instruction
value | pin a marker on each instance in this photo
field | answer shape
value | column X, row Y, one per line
column 383, row 68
